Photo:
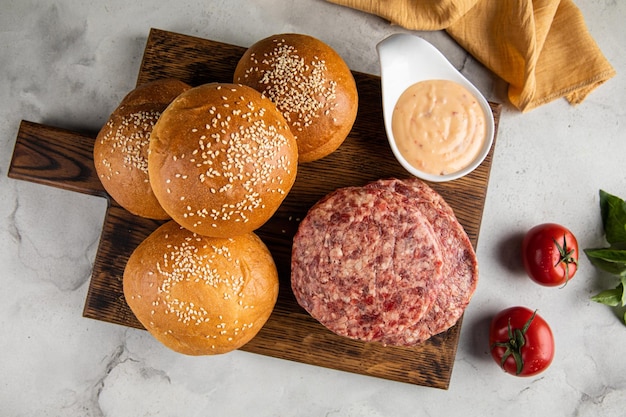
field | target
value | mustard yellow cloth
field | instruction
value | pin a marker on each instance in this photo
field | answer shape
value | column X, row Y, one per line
column 541, row 48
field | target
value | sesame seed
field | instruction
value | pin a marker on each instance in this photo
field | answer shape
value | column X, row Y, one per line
column 188, row 264
column 131, row 138
column 299, row 89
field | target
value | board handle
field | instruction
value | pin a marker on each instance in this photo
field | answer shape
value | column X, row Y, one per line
column 56, row 157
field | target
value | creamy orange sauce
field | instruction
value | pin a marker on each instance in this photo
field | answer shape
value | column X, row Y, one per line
column 438, row 126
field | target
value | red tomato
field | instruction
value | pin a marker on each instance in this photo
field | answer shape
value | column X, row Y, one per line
column 550, row 254
column 521, row 341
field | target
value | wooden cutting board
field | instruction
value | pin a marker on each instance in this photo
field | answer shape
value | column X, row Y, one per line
column 63, row 159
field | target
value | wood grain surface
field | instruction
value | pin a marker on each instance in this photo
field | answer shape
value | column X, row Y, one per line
column 63, row 159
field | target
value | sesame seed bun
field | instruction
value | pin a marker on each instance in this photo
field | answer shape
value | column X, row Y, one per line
column 120, row 151
column 200, row 295
column 222, row 159
column 311, row 85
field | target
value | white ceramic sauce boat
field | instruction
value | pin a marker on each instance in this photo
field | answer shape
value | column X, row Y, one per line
column 407, row 59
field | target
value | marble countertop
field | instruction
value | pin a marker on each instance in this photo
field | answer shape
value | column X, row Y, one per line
column 68, row 63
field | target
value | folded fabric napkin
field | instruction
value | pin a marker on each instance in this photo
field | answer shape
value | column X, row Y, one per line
column 541, row 48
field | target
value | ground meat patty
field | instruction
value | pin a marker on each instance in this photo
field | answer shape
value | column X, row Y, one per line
column 417, row 190
column 364, row 263
column 460, row 268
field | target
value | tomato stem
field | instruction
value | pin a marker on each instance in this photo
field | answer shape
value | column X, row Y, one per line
column 566, row 256
column 517, row 340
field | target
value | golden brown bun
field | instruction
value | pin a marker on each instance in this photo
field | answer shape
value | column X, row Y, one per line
column 200, row 295
column 222, row 159
column 310, row 83
column 120, row 151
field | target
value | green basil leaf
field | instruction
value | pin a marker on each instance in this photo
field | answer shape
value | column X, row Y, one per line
column 613, row 210
column 609, row 260
column 623, row 285
column 611, row 298
column 618, row 246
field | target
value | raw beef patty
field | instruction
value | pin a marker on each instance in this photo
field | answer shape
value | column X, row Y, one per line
column 365, row 263
column 460, row 266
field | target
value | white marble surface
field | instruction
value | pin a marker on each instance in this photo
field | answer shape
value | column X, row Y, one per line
column 67, row 63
